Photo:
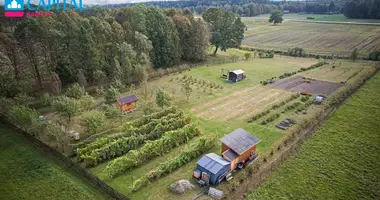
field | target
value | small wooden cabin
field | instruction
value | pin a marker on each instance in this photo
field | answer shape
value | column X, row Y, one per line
column 127, row 103
column 236, row 75
column 239, row 147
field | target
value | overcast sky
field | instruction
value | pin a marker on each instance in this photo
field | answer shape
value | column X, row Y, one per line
column 94, row 1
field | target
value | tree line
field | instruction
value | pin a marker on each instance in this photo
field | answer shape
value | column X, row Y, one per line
column 364, row 9
column 96, row 46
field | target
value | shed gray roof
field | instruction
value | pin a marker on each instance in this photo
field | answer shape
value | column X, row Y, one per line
column 240, row 140
column 238, row 71
column 212, row 162
column 230, row 154
column 127, row 99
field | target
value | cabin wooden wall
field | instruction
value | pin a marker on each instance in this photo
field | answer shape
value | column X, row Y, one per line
column 127, row 107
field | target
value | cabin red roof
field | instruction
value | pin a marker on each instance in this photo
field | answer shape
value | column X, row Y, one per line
column 127, row 99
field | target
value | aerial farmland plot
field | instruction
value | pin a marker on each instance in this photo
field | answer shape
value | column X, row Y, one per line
column 318, row 38
column 216, row 107
column 187, row 100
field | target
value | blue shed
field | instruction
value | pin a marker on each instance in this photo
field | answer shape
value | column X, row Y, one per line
column 212, row 168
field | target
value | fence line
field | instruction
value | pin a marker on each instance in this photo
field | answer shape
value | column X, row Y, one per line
column 87, row 175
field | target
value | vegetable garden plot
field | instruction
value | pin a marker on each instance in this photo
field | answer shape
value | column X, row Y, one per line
column 300, row 84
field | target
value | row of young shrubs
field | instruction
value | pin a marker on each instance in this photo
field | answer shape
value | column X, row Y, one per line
column 151, row 149
column 319, row 64
column 270, row 119
column 192, row 80
column 299, row 52
column 288, row 74
column 137, row 122
column 304, row 107
column 259, row 115
column 128, row 130
column 123, row 145
column 291, row 107
column 190, row 152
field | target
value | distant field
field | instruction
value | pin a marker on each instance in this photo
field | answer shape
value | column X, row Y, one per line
column 317, row 38
column 326, row 18
column 26, row 173
column 341, row 161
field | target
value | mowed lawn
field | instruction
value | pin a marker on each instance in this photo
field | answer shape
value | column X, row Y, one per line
column 28, row 173
column 342, row 159
column 319, row 38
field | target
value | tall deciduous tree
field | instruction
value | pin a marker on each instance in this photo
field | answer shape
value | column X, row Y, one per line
column 111, row 94
column 66, row 107
column 227, row 29
column 164, row 36
column 276, row 17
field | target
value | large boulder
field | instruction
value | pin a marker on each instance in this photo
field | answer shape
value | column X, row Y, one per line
column 181, row 186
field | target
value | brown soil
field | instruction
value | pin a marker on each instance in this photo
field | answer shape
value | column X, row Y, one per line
column 299, row 84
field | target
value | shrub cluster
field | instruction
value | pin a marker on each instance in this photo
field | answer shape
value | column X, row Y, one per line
column 190, row 152
column 297, row 52
column 266, row 55
column 305, row 98
column 319, row 64
column 270, row 119
column 291, row 107
column 151, row 149
column 374, row 56
column 304, row 107
column 289, row 52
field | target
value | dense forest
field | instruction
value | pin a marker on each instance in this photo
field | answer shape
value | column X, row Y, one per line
column 96, row 46
column 369, row 9
column 249, row 8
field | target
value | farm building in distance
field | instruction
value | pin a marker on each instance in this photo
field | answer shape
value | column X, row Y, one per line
column 239, row 147
column 236, row 75
column 127, row 103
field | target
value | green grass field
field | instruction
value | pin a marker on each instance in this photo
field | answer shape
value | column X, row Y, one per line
column 341, row 161
column 319, row 38
column 28, row 173
column 324, row 18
